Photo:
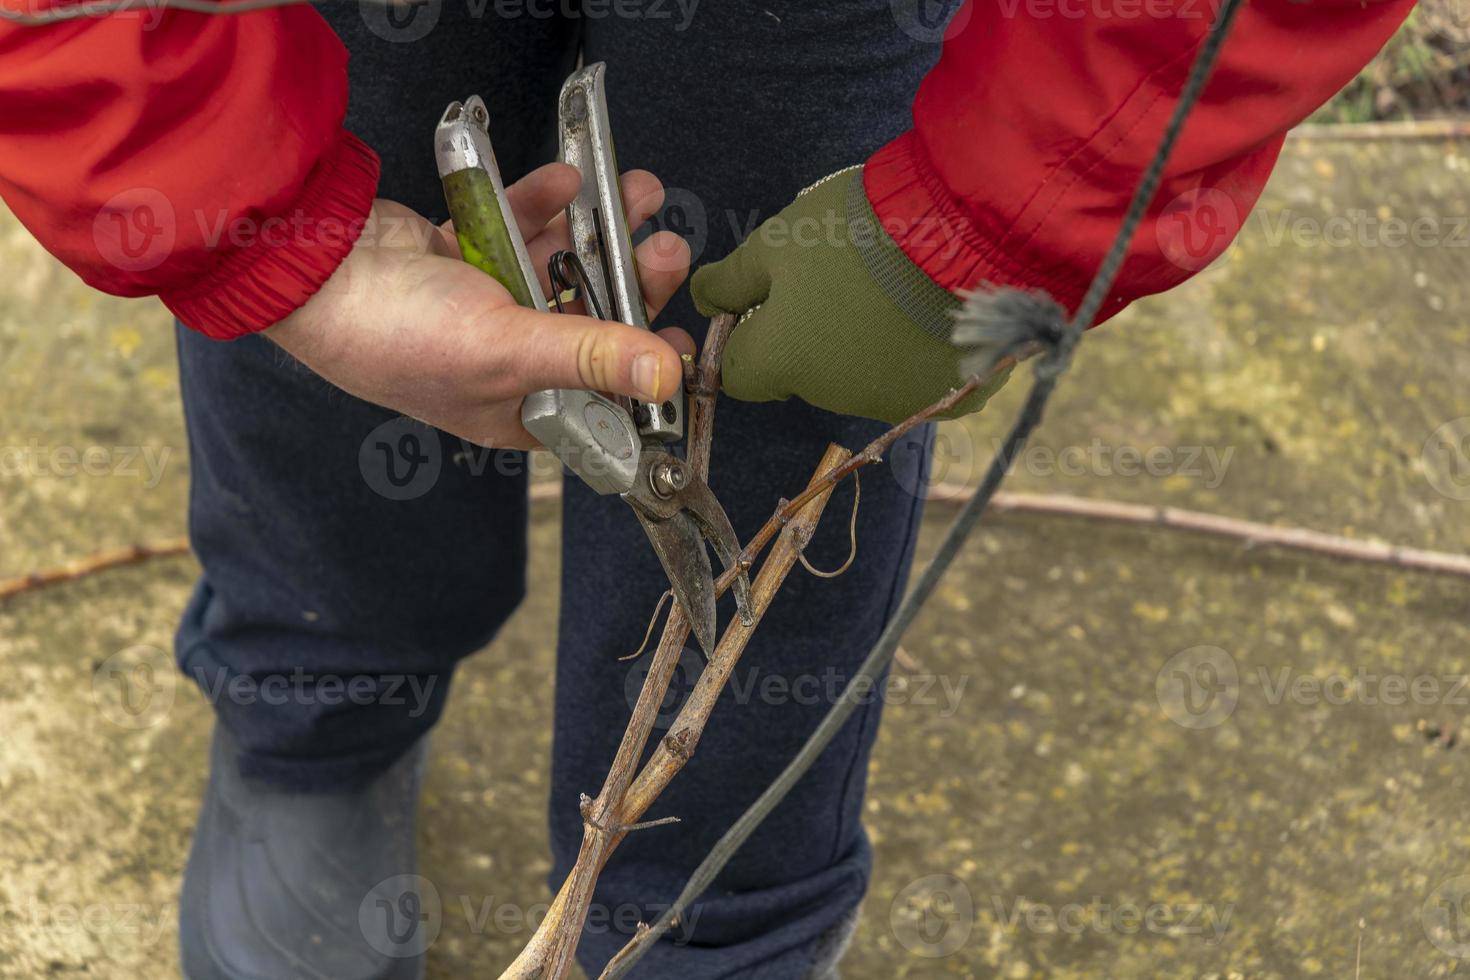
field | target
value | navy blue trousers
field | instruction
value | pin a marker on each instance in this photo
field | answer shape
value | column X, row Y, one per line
column 343, row 547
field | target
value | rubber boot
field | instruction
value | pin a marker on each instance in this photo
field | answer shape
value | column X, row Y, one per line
column 305, row 886
column 831, row 947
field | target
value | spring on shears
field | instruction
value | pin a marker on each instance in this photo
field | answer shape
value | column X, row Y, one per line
column 567, row 274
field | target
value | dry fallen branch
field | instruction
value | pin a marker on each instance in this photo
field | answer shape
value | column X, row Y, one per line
column 1251, row 534
column 101, row 561
column 1397, row 130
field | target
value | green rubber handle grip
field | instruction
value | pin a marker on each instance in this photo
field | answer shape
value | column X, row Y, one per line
column 484, row 237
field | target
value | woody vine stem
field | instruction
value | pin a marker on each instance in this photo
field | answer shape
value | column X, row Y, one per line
column 628, row 791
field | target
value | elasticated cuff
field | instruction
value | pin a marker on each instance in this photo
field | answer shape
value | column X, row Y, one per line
column 288, row 257
column 907, row 286
column 923, row 219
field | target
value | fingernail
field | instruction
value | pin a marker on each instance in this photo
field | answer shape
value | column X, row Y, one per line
column 646, row 370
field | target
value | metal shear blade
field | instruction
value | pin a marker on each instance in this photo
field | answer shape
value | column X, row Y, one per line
column 679, row 512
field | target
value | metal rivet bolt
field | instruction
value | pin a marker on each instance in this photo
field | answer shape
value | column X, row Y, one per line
column 668, row 477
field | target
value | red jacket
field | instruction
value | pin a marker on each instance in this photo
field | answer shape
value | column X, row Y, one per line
column 203, row 160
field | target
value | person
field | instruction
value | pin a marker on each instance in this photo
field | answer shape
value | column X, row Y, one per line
column 281, row 200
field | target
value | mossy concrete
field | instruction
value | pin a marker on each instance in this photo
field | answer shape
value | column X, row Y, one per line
column 1111, row 751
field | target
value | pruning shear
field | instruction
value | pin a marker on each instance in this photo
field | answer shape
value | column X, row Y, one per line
column 615, row 445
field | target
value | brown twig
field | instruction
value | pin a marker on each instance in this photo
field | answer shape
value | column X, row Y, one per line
column 1405, row 129
column 652, row 622
column 551, row 950
column 705, row 390
column 624, row 799
column 101, row 561
column 1252, row 534
column 687, row 727
column 825, row 481
column 852, row 546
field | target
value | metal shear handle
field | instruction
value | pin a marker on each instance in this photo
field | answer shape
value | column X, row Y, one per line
column 593, row 436
column 599, row 227
column 616, row 446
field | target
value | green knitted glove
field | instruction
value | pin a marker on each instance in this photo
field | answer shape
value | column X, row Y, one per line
column 845, row 320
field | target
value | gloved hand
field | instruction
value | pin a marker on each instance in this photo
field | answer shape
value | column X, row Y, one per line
column 845, row 322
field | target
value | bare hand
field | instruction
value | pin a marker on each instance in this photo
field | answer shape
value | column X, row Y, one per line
column 404, row 323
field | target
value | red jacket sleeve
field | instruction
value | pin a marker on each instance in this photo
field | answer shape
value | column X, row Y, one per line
column 199, row 158
column 1032, row 131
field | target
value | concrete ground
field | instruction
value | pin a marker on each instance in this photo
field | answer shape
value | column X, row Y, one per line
column 1110, row 751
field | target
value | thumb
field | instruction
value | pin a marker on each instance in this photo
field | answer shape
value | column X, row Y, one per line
column 734, row 284
column 563, row 351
